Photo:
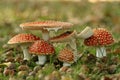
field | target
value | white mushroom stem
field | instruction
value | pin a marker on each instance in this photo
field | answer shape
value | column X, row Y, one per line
column 100, row 52
column 72, row 44
column 66, row 64
column 76, row 57
column 25, row 52
column 45, row 35
column 41, row 60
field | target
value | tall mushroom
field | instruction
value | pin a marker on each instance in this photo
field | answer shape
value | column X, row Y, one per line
column 69, row 38
column 24, row 40
column 100, row 38
column 45, row 27
column 41, row 48
column 66, row 56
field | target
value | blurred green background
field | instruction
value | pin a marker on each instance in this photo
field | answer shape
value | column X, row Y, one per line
column 80, row 13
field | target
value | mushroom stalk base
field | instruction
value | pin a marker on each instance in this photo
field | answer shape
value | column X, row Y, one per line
column 100, row 52
column 41, row 60
column 45, row 35
column 66, row 64
column 25, row 52
column 76, row 57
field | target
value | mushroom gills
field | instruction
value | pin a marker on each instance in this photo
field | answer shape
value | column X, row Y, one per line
column 25, row 52
column 100, row 52
column 41, row 60
column 64, row 37
column 86, row 33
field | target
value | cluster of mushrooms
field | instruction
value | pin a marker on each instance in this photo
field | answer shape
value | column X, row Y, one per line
column 33, row 45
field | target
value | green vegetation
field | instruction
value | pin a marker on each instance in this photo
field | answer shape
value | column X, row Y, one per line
column 81, row 14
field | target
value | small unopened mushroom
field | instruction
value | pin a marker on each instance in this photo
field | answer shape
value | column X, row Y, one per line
column 41, row 48
column 100, row 38
column 86, row 33
column 45, row 27
column 24, row 40
column 66, row 56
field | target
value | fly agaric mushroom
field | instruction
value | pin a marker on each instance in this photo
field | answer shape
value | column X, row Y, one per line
column 69, row 38
column 24, row 40
column 45, row 27
column 41, row 48
column 64, row 37
column 66, row 56
column 86, row 33
column 100, row 39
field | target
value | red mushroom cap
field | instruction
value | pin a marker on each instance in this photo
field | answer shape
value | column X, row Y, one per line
column 23, row 38
column 101, row 37
column 41, row 47
column 65, row 37
column 45, row 24
column 66, row 55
